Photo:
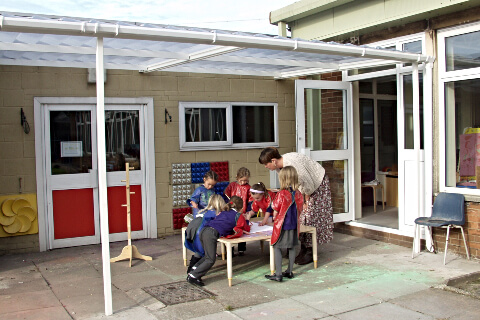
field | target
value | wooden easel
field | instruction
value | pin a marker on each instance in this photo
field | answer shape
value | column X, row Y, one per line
column 130, row 251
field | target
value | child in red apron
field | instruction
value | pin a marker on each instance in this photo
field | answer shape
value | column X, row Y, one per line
column 287, row 208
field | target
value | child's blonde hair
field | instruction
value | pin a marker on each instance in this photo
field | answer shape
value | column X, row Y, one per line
column 215, row 202
column 258, row 187
column 288, row 177
column 243, row 172
column 234, row 203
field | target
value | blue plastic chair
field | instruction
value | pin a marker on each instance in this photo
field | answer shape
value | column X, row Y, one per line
column 448, row 211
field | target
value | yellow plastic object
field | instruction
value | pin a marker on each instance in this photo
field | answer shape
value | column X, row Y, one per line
column 14, row 227
column 26, row 223
column 472, row 130
column 7, row 208
column 6, row 221
column 18, row 215
column 18, row 204
column 28, row 212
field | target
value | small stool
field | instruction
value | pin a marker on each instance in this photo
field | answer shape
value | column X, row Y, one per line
column 375, row 187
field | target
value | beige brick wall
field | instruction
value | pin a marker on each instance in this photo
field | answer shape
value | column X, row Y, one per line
column 19, row 85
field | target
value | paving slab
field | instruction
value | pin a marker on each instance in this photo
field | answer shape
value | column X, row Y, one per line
column 10, row 303
column 280, row 309
column 452, row 305
column 356, row 278
column 50, row 313
column 383, row 311
column 328, row 300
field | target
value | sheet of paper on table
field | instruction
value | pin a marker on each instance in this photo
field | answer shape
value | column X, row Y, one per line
column 254, row 228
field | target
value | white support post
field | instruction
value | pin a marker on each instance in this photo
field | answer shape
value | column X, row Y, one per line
column 102, row 180
column 416, row 142
column 428, row 145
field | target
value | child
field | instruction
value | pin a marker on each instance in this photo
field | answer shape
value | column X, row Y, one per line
column 262, row 201
column 192, row 234
column 240, row 188
column 230, row 223
column 201, row 195
column 287, row 208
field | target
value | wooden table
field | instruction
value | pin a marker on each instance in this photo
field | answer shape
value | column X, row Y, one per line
column 261, row 236
column 375, row 187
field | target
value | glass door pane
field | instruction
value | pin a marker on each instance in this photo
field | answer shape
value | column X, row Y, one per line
column 70, row 142
column 326, row 122
column 122, row 137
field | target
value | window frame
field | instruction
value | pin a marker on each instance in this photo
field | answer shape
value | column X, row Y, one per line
column 228, row 143
column 396, row 67
column 445, row 77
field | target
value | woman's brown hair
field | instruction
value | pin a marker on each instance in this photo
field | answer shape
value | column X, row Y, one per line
column 268, row 154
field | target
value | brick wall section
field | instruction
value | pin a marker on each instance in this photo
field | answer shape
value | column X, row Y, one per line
column 19, row 85
column 375, row 235
column 472, row 234
column 332, row 126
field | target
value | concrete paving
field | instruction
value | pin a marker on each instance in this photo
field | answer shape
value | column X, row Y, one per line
column 356, row 278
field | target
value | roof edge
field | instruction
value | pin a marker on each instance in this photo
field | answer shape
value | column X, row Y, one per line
column 302, row 9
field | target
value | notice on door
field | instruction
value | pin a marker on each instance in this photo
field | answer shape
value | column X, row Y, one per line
column 71, row 149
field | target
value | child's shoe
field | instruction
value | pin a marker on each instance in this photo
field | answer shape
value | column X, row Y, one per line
column 274, row 277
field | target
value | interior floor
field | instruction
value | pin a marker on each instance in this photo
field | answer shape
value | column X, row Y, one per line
column 383, row 218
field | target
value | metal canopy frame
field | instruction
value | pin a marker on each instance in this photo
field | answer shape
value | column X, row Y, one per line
column 32, row 40
column 52, row 41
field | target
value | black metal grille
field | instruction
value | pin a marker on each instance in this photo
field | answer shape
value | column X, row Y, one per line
column 178, row 292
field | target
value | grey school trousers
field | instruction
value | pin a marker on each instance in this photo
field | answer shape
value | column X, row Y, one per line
column 208, row 238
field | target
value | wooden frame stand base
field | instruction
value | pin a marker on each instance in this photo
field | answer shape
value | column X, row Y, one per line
column 130, row 252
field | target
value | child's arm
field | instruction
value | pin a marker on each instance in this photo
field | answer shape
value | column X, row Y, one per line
column 275, row 214
column 265, row 219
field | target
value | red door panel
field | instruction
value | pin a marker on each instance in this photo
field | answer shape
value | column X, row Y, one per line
column 117, row 215
column 73, row 214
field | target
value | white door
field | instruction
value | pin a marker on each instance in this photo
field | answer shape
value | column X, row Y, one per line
column 70, row 171
column 325, row 133
column 411, row 154
column 71, row 175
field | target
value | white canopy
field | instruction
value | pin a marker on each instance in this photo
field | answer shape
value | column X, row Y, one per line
column 34, row 40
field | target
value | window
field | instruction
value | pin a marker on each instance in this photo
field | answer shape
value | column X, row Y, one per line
column 411, row 43
column 459, row 86
column 227, row 125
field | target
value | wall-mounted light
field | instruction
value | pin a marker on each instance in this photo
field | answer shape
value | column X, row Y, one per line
column 23, row 122
column 167, row 116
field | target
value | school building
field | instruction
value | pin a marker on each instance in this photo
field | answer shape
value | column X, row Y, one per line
column 415, row 149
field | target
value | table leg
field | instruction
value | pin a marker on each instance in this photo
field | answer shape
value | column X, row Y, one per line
column 383, row 196
column 314, row 247
column 261, row 245
column 374, row 199
column 222, row 247
column 229, row 263
column 184, row 249
column 272, row 260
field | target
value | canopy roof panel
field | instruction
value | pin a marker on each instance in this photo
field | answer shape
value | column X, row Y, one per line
column 33, row 40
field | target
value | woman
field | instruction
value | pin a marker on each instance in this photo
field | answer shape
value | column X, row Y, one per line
column 315, row 188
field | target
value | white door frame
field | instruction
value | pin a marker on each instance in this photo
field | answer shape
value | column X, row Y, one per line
column 148, row 160
column 345, row 154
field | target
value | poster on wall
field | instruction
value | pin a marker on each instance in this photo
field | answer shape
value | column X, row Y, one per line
column 71, row 149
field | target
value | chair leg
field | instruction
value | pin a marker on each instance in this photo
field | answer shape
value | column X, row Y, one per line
column 414, row 237
column 465, row 243
column 446, row 245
